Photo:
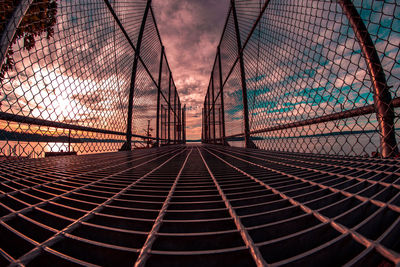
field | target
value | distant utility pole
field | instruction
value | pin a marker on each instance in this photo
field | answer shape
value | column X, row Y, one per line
column 147, row 133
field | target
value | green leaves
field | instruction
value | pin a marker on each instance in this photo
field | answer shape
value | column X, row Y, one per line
column 40, row 18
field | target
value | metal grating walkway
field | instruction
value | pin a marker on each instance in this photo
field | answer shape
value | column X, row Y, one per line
column 200, row 206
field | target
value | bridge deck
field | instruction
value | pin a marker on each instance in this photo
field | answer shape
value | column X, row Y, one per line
column 200, row 205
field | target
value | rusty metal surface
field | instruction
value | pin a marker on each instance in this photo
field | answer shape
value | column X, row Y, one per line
column 200, row 205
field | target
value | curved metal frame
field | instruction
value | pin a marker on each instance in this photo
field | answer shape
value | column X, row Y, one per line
column 382, row 98
column 383, row 102
column 11, row 28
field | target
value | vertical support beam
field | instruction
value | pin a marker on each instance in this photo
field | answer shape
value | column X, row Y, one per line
column 182, row 113
column 248, row 142
column 220, row 128
column 169, row 108
column 161, row 123
column 205, row 120
column 202, row 125
column 209, row 115
column 213, row 105
column 165, row 124
column 128, row 144
column 221, row 95
column 69, row 140
column 175, row 116
column 179, row 121
column 382, row 97
column 207, row 112
column 184, row 124
column 157, row 144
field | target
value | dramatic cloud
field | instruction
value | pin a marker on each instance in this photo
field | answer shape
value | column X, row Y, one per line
column 190, row 31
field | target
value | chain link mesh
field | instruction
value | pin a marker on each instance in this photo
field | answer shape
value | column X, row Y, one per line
column 66, row 76
column 307, row 71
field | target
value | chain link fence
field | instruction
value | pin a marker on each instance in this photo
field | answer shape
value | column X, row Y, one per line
column 82, row 77
column 307, row 76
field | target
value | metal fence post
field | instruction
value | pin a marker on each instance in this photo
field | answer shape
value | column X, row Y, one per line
column 205, row 118
column 128, row 144
column 208, row 116
column 169, row 108
column 165, row 124
column 184, row 124
column 221, row 95
column 203, row 123
column 213, row 105
column 161, row 121
column 220, row 123
column 248, row 142
column 158, row 98
column 182, row 113
column 175, row 116
column 382, row 98
column 179, row 121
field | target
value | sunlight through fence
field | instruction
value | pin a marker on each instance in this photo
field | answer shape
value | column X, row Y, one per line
column 83, row 76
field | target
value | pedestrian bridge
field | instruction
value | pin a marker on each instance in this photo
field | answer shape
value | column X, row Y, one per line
column 201, row 205
column 298, row 163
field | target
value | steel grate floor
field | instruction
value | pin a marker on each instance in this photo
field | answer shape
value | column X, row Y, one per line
column 200, row 206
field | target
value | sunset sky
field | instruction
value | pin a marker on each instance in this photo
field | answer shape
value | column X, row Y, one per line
column 190, row 31
column 82, row 74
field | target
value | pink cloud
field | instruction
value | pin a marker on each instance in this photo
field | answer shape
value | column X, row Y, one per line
column 190, row 31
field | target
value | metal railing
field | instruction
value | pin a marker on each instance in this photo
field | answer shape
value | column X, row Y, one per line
column 307, row 76
column 83, row 76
